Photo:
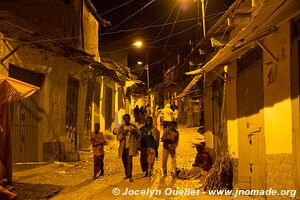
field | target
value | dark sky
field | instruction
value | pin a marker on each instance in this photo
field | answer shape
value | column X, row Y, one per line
column 184, row 12
column 154, row 14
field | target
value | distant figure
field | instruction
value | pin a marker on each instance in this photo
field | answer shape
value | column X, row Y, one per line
column 129, row 138
column 175, row 115
column 149, row 146
column 167, row 114
column 202, row 159
column 148, row 110
column 170, row 141
column 142, row 114
column 136, row 112
column 98, row 142
column 196, row 114
column 190, row 116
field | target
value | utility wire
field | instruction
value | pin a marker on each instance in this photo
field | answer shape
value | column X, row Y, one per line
column 134, row 34
column 145, row 6
column 125, row 30
column 116, row 7
column 178, row 33
column 171, row 32
column 148, row 27
column 159, row 25
column 170, row 13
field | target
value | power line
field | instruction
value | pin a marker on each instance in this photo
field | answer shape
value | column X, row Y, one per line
column 125, row 30
column 145, row 6
column 143, row 28
column 116, row 7
column 178, row 33
column 172, row 28
column 134, row 34
column 150, row 26
column 170, row 13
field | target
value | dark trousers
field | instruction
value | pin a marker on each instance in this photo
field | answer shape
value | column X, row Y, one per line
column 143, row 159
column 127, row 162
column 98, row 165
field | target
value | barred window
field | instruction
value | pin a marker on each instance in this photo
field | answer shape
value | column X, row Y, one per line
column 249, row 59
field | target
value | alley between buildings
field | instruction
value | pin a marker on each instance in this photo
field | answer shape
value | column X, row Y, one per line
column 61, row 180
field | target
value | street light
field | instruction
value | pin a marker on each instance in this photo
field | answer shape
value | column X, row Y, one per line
column 202, row 9
column 139, row 44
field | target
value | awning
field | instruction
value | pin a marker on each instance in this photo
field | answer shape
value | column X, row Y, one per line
column 269, row 17
column 190, row 85
column 14, row 90
column 130, row 83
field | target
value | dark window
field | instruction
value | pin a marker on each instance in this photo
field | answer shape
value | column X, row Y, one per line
column 72, row 102
column 295, row 29
column 88, row 106
column 27, row 76
column 249, row 59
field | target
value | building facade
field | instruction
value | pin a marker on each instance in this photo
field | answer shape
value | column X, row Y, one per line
column 251, row 106
column 54, row 45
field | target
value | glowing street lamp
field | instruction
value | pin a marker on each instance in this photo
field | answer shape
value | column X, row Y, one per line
column 138, row 44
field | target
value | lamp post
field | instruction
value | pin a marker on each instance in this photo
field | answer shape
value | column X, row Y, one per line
column 203, row 16
column 139, row 44
column 147, row 70
column 148, row 83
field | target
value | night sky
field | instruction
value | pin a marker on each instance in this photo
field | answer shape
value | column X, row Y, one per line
column 123, row 33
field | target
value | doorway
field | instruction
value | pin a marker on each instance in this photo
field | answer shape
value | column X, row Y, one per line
column 25, row 118
column 251, row 139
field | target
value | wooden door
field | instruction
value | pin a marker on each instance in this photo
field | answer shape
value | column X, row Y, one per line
column 251, row 139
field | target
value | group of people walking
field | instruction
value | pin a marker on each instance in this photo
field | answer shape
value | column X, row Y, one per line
column 146, row 140
column 133, row 140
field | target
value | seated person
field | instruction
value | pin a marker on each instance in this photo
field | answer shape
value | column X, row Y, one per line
column 203, row 158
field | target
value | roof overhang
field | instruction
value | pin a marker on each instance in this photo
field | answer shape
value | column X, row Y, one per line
column 268, row 18
column 17, row 25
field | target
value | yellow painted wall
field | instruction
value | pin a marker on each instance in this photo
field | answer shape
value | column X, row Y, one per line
column 52, row 94
column 278, row 111
column 277, row 102
column 208, row 109
column 231, row 111
column 90, row 33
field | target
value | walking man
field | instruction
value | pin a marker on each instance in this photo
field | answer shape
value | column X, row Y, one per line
column 167, row 114
column 129, row 138
column 98, row 143
column 149, row 146
column 170, row 140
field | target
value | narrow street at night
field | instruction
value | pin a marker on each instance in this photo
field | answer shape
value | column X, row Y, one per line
column 74, row 180
column 149, row 99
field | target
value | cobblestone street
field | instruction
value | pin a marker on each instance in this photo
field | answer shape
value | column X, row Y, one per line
column 74, row 180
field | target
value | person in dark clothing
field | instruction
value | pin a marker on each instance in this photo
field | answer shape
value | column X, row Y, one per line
column 142, row 114
column 98, row 142
column 136, row 112
column 149, row 146
column 170, row 141
column 202, row 159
